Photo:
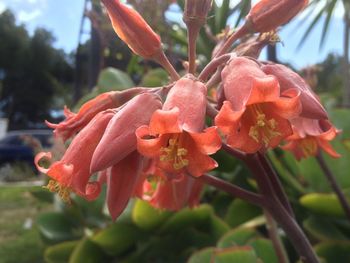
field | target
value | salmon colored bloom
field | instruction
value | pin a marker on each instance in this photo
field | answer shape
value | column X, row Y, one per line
column 267, row 15
column 72, row 172
column 75, row 122
column 167, row 191
column 310, row 136
column 255, row 115
column 288, row 79
column 133, row 29
column 175, row 136
column 122, row 180
column 119, row 138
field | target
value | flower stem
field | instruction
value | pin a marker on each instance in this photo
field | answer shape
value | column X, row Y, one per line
column 278, row 211
column 165, row 63
column 333, row 182
column 235, row 36
column 233, row 190
column 275, row 238
column 212, row 66
column 192, row 34
column 276, row 183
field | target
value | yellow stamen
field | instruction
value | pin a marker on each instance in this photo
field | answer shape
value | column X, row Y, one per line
column 309, row 147
column 63, row 192
column 264, row 130
column 174, row 153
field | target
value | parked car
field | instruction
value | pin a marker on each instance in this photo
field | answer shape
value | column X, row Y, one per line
column 20, row 146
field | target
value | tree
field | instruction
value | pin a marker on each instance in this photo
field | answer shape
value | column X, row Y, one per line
column 34, row 72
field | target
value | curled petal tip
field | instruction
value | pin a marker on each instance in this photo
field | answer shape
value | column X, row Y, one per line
column 39, row 157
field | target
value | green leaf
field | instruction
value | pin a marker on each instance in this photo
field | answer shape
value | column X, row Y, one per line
column 202, row 256
column 147, row 217
column 116, row 238
column 237, row 237
column 218, row 227
column 56, row 227
column 155, row 78
column 334, row 252
column 87, row 252
column 59, row 253
column 240, row 211
column 323, row 229
column 113, row 79
column 236, row 255
column 228, row 255
column 198, row 217
column 264, row 250
column 42, row 195
column 324, row 204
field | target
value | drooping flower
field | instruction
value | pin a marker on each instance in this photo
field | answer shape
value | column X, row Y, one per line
column 122, row 180
column 267, row 15
column 72, row 172
column 255, row 115
column 74, row 122
column 288, row 79
column 169, row 191
column 310, row 136
column 119, row 138
column 133, row 29
column 175, row 136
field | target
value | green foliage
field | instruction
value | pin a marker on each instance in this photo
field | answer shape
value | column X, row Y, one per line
column 31, row 66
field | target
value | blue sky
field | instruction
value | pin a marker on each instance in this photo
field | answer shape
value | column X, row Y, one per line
column 62, row 17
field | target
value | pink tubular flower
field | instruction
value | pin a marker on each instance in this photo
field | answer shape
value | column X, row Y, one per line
column 311, row 106
column 133, row 29
column 174, row 136
column 122, row 180
column 267, row 15
column 166, row 191
column 72, row 172
column 255, row 115
column 310, row 136
column 119, row 139
column 75, row 122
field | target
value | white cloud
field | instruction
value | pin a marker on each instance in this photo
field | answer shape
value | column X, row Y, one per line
column 25, row 16
column 2, row 7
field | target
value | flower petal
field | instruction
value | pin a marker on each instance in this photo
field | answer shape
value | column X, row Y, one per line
column 207, row 142
column 165, row 121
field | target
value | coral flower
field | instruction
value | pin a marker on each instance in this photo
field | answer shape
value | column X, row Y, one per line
column 267, row 15
column 312, row 108
column 310, row 136
column 255, row 115
column 175, row 135
column 119, row 139
column 133, row 29
column 122, row 180
column 75, row 122
column 72, row 172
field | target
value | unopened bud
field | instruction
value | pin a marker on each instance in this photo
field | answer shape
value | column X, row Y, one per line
column 133, row 29
column 267, row 15
column 196, row 11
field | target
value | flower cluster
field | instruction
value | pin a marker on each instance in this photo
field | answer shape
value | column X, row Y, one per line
column 155, row 144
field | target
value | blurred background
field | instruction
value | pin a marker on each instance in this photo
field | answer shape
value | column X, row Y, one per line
column 56, row 53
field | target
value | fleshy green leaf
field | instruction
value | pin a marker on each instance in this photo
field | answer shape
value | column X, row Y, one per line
column 60, row 253
column 116, row 238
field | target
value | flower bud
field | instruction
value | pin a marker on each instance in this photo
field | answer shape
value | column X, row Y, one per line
column 133, row 29
column 267, row 15
column 196, row 11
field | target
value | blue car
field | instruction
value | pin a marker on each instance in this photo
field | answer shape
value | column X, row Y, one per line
column 20, row 146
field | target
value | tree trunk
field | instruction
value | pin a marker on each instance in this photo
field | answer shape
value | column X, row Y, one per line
column 346, row 63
